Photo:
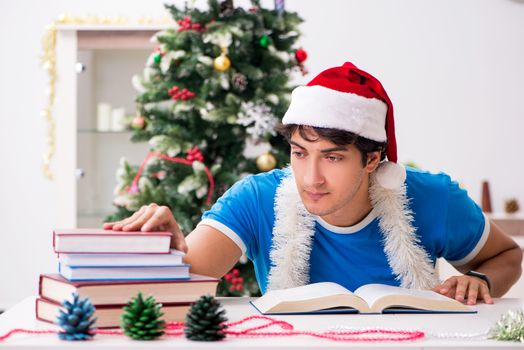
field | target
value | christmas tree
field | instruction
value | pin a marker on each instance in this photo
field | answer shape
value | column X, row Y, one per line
column 217, row 83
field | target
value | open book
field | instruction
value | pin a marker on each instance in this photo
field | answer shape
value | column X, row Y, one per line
column 328, row 297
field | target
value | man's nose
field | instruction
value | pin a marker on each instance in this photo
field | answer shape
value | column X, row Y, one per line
column 313, row 176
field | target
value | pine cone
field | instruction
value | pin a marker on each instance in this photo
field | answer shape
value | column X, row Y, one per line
column 239, row 81
column 205, row 320
column 141, row 318
column 226, row 8
column 512, row 206
column 76, row 320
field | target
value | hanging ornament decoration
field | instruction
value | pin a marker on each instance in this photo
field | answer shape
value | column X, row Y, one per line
column 239, row 82
column 236, row 282
column 266, row 162
column 258, row 119
column 186, row 24
column 177, row 94
column 138, row 122
column 158, row 55
column 76, row 320
column 263, row 41
column 194, row 154
column 205, row 320
column 510, row 327
column 141, row 319
column 222, row 62
column 301, row 56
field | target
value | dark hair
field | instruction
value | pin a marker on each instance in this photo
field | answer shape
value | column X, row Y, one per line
column 338, row 137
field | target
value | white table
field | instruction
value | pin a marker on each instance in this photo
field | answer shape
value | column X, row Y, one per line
column 22, row 316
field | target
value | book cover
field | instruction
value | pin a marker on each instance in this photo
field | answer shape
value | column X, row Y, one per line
column 86, row 240
column 108, row 292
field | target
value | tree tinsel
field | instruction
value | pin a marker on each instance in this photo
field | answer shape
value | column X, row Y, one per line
column 141, row 319
column 205, row 320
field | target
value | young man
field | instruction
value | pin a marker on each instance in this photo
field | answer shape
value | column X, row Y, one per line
column 343, row 213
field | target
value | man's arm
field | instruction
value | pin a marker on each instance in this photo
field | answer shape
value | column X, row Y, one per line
column 209, row 251
column 500, row 259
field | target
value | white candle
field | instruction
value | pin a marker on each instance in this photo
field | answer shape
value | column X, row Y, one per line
column 117, row 119
column 103, row 117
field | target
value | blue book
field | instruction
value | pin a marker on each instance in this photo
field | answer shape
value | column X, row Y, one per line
column 329, row 297
column 125, row 273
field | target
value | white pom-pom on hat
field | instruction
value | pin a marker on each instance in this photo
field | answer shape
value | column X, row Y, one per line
column 390, row 175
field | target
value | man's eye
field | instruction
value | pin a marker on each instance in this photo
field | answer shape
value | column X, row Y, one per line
column 297, row 154
column 334, row 158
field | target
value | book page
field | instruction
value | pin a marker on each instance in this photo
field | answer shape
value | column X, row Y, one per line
column 380, row 296
column 310, row 291
column 372, row 292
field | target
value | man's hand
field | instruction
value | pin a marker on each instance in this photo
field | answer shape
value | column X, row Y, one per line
column 152, row 217
column 466, row 289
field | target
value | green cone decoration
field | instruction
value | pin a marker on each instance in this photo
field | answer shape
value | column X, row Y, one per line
column 77, row 319
column 510, row 327
column 141, row 318
column 205, row 320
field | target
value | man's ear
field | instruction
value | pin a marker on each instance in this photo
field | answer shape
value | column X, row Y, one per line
column 373, row 161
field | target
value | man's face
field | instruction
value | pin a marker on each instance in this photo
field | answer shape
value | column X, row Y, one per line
column 331, row 179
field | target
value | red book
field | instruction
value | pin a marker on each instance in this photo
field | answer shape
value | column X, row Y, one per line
column 85, row 240
column 108, row 316
column 56, row 288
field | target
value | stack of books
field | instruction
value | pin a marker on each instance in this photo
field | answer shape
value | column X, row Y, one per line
column 112, row 267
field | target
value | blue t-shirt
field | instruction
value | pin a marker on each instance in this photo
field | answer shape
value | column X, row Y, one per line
column 449, row 224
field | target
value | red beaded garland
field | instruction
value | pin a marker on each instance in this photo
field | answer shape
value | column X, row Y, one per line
column 175, row 329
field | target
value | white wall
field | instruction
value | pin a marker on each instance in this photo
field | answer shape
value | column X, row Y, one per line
column 454, row 70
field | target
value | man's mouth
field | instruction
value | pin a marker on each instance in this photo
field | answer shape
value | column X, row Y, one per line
column 315, row 195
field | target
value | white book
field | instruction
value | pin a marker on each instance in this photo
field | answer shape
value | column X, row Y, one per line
column 328, row 297
column 94, row 240
column 175, row 257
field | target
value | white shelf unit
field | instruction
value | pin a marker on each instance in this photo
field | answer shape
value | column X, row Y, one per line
column 111, row 54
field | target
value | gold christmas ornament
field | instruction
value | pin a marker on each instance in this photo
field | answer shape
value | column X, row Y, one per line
column 222, row 62
column 266, row 162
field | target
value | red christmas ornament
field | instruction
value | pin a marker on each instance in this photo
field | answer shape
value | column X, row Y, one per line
column 300, row 55
column 177, row 94
column 158, row 50
column 187, row 25
column 194, row 154
column 138, row 122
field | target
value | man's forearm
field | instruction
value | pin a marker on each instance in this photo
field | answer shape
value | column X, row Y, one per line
column 503, row 270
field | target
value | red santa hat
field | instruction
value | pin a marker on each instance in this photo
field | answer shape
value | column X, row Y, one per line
column 350, row 99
